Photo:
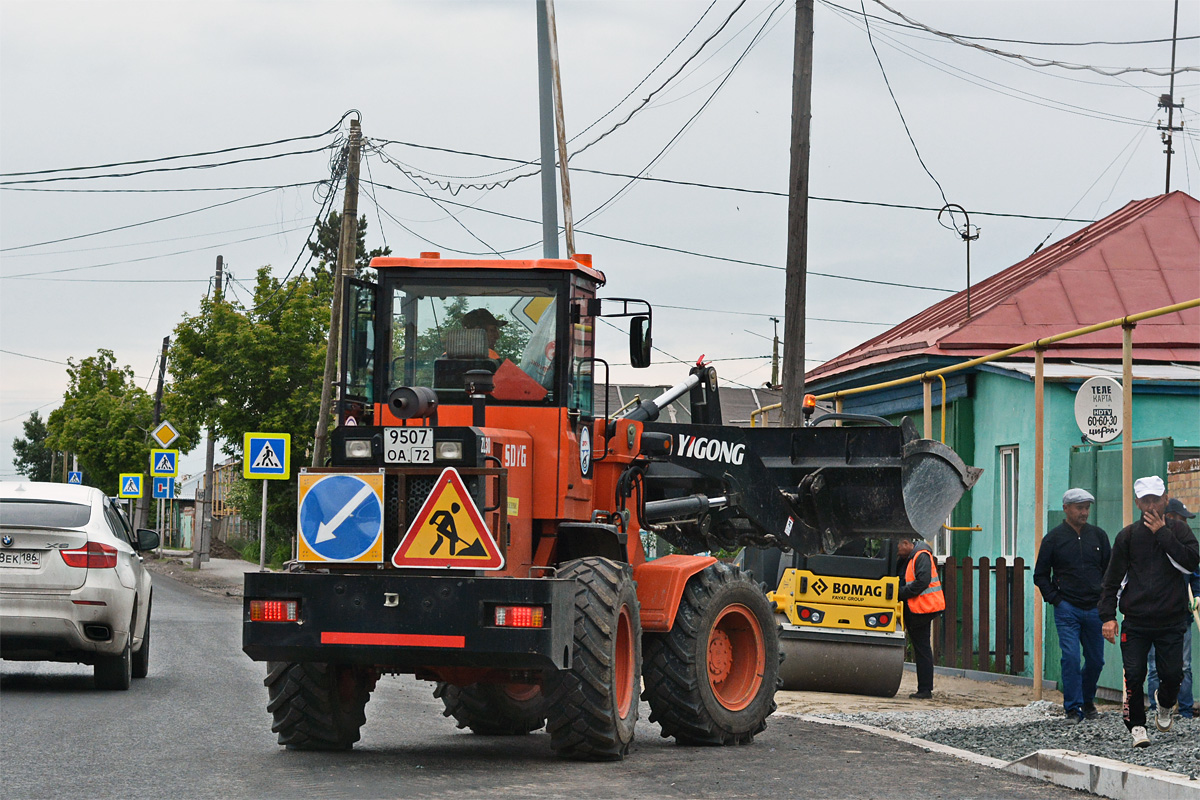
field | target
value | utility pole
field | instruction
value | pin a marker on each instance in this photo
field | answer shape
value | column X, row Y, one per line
column 1167, row 101
column 346, row 258
column 775, row 354
column 561, row 127
column 202, row 530
column 797, row 238
column 142, row 503
column 546, row 134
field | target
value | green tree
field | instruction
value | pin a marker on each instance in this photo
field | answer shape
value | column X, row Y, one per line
column 238, row 370
column 32, row 457
column 103, row 420
column 329, row 237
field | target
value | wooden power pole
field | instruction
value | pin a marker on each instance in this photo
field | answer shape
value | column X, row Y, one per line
column 346, row 258
column 797, row 239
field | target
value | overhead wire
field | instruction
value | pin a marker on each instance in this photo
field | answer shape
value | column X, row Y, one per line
column 156, row 241
column 1033, row 61
column 188, row 155
column 136, row 224
column 682, row 251
column 167, row 169
column 181, row 190
column 903, row 121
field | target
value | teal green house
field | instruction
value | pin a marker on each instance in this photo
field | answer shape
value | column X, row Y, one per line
column 1145, row 256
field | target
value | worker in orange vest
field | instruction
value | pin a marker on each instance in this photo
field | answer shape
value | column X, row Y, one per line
column 921, row 591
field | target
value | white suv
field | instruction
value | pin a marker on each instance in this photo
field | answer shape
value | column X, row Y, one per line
column 72, row 584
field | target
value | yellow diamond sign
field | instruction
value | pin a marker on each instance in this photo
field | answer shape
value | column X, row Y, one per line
column 164, row 434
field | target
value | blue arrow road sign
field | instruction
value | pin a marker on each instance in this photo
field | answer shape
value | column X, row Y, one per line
column 163, row 488
column 341, row 517
column 75, row 478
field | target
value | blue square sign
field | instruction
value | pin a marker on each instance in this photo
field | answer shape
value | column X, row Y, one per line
column 267, row 456
column 75, row 478
column 163, row 488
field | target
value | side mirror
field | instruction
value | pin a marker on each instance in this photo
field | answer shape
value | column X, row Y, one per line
column 147, row 540
column 639, row 342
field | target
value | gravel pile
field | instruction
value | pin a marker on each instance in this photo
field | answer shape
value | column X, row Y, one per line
column 1012, row 733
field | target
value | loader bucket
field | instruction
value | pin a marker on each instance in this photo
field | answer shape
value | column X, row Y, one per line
column 877, row 482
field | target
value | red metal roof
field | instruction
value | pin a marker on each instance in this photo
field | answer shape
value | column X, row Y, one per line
column 1142, row 257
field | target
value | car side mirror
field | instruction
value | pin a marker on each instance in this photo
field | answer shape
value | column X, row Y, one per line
column 639, row 342
column 147, row 539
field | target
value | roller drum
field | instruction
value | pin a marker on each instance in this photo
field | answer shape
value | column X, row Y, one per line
column 848, row 662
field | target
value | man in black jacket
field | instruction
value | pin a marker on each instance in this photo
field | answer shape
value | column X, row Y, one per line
column 1070, row 568
column 1147, row 579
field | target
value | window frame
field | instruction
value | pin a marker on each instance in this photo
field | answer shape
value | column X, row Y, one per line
column 1009, row 471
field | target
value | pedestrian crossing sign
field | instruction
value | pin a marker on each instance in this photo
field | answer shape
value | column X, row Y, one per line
column 164, row 463
column 449, row 531
column 130, row 485
column 267, row 456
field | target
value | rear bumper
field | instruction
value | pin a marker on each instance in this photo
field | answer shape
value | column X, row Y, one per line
column 50, row 627
column 409, row 622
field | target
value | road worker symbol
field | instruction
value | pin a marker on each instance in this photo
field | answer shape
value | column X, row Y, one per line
column 448, row 531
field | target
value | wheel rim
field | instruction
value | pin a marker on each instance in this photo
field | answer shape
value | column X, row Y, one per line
column 521, row 692
column 624, row 671
column 736, row 657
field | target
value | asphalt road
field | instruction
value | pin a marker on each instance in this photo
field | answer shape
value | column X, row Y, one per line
column 197, row 727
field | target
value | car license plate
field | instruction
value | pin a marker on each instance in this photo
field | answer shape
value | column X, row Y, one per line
column 20, row 559
column 408, row 445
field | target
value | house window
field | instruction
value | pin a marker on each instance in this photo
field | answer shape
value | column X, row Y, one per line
column 1009, row 477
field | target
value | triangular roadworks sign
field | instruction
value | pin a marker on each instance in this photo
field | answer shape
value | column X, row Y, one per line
column 448, row 531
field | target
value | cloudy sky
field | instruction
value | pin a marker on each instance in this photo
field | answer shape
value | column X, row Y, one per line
column 96, row 83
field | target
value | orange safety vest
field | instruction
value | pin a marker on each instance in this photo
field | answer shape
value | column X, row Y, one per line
column 931, row 600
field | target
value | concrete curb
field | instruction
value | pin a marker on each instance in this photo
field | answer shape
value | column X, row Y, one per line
column 1095, row 774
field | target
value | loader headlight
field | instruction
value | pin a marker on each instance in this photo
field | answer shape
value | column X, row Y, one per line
column 358, row 448
column 448, row 451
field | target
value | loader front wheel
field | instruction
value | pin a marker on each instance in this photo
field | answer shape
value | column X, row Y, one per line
column 712, row 678
column 593, row 706
column 318, row 706
column 511, row 709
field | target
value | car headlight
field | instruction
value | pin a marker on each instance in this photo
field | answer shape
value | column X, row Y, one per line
column 358, row 448
column 448, row 451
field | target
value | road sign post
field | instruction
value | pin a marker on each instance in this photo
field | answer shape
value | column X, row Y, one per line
column 267, row 456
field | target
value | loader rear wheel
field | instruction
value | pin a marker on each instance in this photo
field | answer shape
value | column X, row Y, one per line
column 512, row 709
column 593, row 706
column 712, row 679
column 318, row 706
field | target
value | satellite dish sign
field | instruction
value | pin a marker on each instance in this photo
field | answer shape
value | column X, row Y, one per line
column 1100, row 409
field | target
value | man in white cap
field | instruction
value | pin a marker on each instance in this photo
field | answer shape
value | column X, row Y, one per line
column 1070, row 568
column 1147, row 579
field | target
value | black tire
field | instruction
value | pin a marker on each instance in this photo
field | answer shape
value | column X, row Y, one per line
column 593, row 706
column 114, row 672
column 141, row 659
column 723, row 617
column 318, row 706
column 494, row 709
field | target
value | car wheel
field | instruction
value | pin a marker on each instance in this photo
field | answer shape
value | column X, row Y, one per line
column 141, row 659
column 114, row 672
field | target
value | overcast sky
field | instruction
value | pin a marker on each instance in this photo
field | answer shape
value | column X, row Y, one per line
column 92, row 83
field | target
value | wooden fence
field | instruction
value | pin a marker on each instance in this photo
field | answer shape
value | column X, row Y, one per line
column 970, row 635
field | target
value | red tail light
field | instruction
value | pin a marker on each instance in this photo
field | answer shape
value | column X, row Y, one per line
column 520, row 616
column 92, row 555
column 274, row 610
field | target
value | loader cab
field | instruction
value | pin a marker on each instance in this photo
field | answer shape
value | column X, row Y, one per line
column 431, row 322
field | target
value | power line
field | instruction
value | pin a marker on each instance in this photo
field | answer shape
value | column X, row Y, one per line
column 1032, row 61
column 1009, row 41
column 136, row 224
column 43, row 273
column 159, row 241
column 156, row 191
column 175, row 158
column 724, row 188
column 168, row 169
column 665, row 247
column 896, row 102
